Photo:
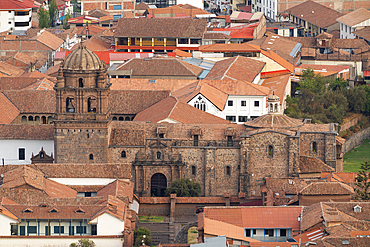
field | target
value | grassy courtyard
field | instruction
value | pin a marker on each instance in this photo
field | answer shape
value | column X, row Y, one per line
column 192, row 235
column 155, row 219
column 358, row 155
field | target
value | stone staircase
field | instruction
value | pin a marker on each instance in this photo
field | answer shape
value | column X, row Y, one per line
column 163, row 232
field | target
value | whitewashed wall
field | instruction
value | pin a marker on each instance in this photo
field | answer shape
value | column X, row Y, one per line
column 57, row 242
column 108, row 225
column 9, row 150
column 5, row 222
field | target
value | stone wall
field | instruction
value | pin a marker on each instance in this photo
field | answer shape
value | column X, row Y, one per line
column 356, row 139
column 351, row 121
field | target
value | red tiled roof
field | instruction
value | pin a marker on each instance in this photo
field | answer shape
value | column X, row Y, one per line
column 172, row 109
column 83, row 19
column 236, row 68
column 27, row 132
column 8, row 111
column 355, row 17
column 244, row 47
column 256, row 217
column 274, row 121
column 50, row 40
column 34, row 73
column 160, row 67
column 94, row 44
column 313, row 165
column 24, row 100
column 177, row 10
column 242, row 31
column 143, row 84
column 156, row 27
column 41, row 84
column 277, row 85
column 327, row 188
column 16, row 4
column 10, row 70
column 315, row 13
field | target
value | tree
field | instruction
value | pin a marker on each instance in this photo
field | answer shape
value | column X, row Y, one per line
column 139, row 237
column 66, row 18
column 363, row 182
column 184, row 187
column 44, row 18
column 83, row 243
column 53, row 10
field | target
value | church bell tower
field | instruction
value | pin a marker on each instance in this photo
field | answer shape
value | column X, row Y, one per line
column 82, row 109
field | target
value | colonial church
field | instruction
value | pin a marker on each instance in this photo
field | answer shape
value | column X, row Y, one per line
column 223, row 158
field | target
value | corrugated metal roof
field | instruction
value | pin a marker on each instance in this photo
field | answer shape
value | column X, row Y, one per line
column 203, row 74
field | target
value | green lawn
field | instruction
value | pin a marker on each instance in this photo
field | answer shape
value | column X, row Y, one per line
column 155, row 219
column 353, row 159
column 192, row 235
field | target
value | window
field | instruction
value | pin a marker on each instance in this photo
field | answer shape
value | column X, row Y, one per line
column 22, row 154
column 282, row 232
column 161, row 135
column 256, row 103
column 314, row 147
column 120, row 119
column 231, row 118
column 269, row 232
column 114, row 118
column 59, row 229
column 243, row 119
column 80, row 229
column 193, row 170
column 91, row 157
column 117, row 7
column 22, row 230
column 357, row 209
column 248, row 232
column 123, row 154
column 69, row 105
column 229, row 141
column 291, row 32
column 91, row 105
column 243, row 103
column 228, row 170
column 116, row 17
column 22, row 24
column 196, row 140
column 254, row 231
column 159, row 155
column 106, row 5
column 270, row 151
column 80, row 82
column 71, row 230
column 94, row 229
column 230, row 103
column 31, row 229
column 87, row 194
column 14, row 229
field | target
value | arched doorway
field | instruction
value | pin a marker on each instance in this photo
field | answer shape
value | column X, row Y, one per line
column 158, row 185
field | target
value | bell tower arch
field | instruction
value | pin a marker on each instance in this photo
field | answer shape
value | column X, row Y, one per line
column 82, row 109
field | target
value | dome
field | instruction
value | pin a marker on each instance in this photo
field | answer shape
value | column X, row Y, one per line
column 82, row 59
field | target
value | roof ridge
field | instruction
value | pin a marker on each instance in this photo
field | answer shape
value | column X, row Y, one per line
column 10, row 100
column 182, row 63
column 173, row 108
column 236, row 58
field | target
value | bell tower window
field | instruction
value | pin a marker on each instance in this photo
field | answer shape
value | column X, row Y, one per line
column 91, row 105
column 91, row 157
column 69, row 105
column 80, row 82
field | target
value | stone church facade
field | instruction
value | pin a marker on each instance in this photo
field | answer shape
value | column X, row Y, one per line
column 223, row 158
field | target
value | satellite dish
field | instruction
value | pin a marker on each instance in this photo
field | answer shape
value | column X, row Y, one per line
column 2, row 175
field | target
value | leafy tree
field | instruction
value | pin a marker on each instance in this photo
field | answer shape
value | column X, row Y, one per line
column 53, row 10
column 66, row 18
column 44, row 18
column 338, row 84
column 315, row 83
column 356, row 99
column 83, row 243
column 139, row 236
column 363, row 182
column 184, row 187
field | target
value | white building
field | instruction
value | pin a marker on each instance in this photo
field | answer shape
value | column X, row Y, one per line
column 15, row 15
column 19, row 142
column 268, row 7
column 233, row 100
column 353, row 21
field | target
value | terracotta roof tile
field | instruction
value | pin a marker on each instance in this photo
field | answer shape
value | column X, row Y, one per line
column 142, row 6
column 97, row 13
column 50, row 40
column 213, row 94
column 22, row 57
column 34, row 73
column 94, row 44
column 236, row 68
column 146, row 84
column 256, row 217
column 167, row 28
column 93, row 29
column 311, row 216
column 313, row 165
column 27, row 132
column 327, row 188
column 216, row 36
column 160, row 67
column 14, row 4
column 14, row 83
column 53, row 71
column 170, row 108
column 10, row 70
column 355, row 17
column 244, row 47
column 315, row 13
column 8, row 110
column 133, row 102
column 274, row 121
column 180, row 53
column 175, row 10
column 363, row 32
column 42, row 84
column 24, row 100
column 277, row 85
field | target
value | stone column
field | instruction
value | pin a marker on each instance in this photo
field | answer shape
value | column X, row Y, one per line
column 209, row 171
column 172, row 207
